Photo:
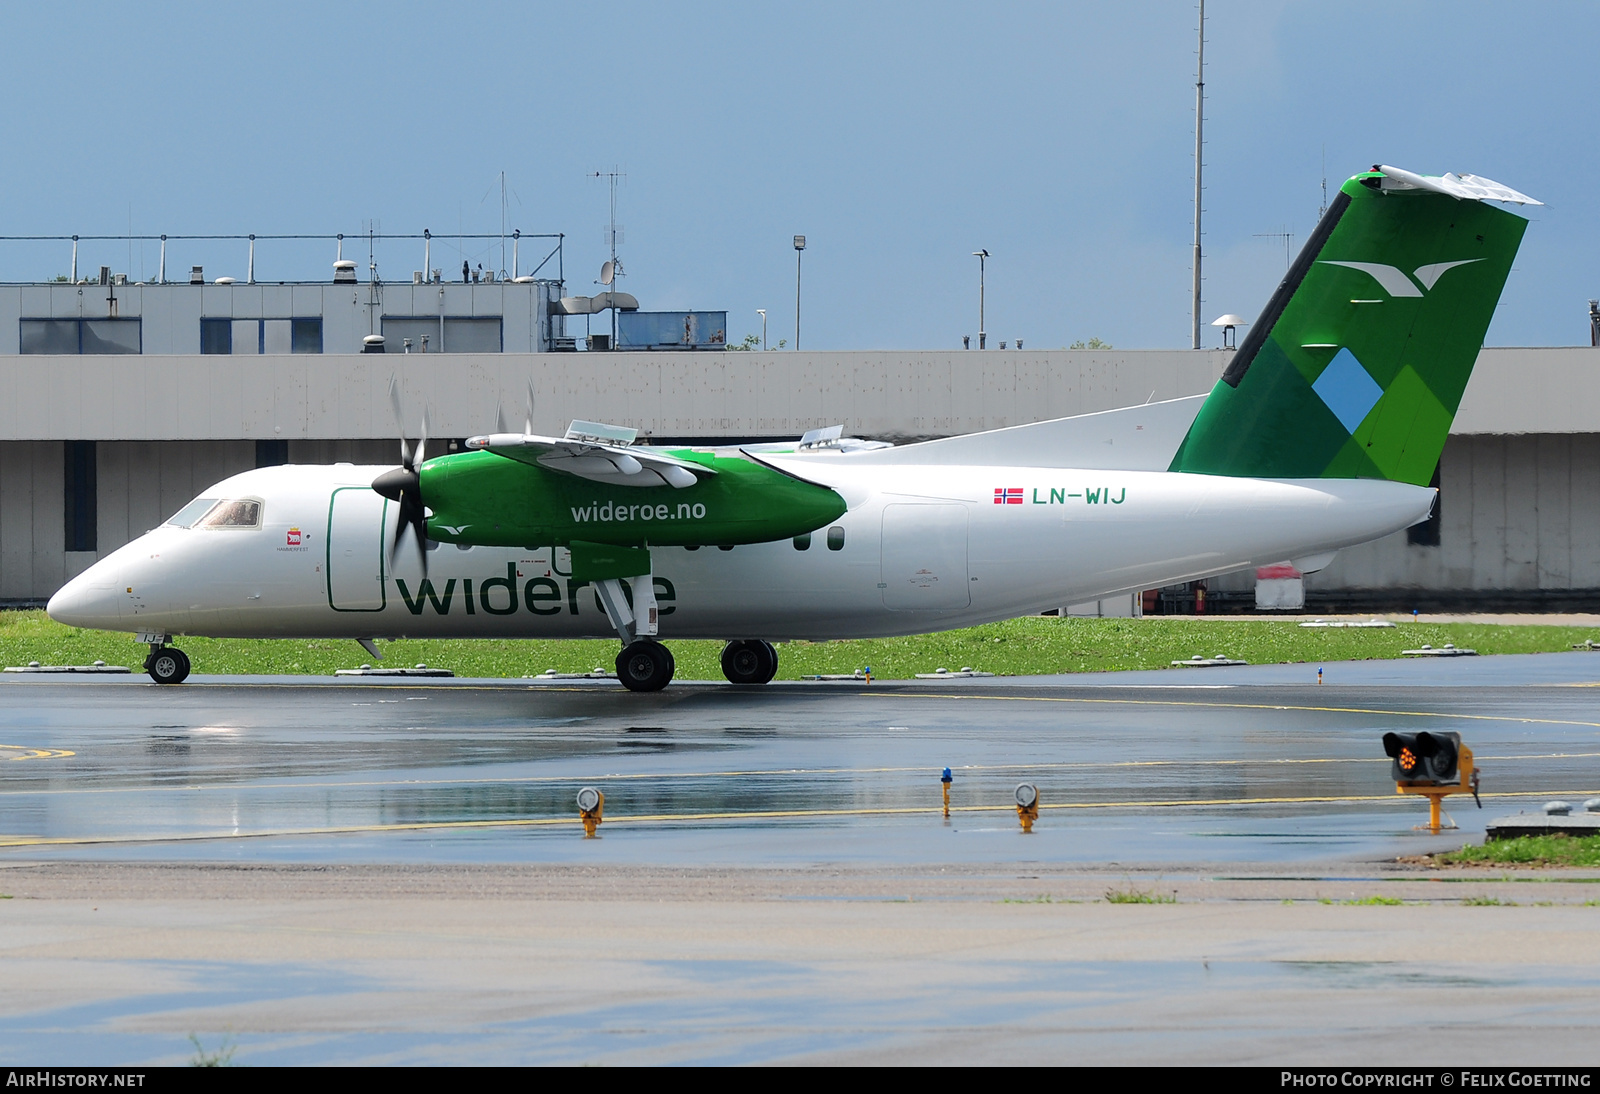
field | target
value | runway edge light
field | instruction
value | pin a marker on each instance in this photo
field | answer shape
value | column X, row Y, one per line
column 1434, row 765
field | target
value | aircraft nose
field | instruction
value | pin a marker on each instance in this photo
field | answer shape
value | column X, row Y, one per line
column 89, row 600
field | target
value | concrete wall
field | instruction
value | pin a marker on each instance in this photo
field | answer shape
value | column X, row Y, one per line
column 32, row 522
column 897, row 395
column 1520, row 477
column 1519, row 516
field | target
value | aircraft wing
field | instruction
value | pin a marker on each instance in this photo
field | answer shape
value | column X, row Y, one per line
column 591, row 457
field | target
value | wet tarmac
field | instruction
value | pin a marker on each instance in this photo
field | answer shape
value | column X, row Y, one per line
column 320, row 871
column 1238, row 764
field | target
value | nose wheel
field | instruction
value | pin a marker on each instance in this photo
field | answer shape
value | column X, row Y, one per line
column 167, row 665
column 750, row 661
column 645, row 666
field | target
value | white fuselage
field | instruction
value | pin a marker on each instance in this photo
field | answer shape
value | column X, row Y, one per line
column 923, row 548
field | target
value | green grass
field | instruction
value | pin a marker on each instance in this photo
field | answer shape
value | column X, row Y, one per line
column 1131, row 895
column 1031, row 645
column 1556, row 850
column 1381, row 901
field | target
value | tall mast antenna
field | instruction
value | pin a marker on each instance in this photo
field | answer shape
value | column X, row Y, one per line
column 1199, row 129
column 612, row 239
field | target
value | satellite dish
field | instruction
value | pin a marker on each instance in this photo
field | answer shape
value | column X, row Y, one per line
column 607, row 272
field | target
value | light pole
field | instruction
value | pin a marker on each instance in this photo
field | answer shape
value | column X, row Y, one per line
column 982, row 257
column 799, row 245
column 763, row 313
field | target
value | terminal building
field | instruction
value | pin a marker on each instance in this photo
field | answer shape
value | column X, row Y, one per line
column 123, row 401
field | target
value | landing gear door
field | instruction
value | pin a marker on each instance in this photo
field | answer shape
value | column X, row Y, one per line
column 925, row 557
column 357, row 519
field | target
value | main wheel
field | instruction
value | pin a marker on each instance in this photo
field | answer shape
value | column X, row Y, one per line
column 167, row 665
column 750, row 661
column 645, row 666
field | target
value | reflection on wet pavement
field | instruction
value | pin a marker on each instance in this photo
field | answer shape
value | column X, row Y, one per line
column 712, row 774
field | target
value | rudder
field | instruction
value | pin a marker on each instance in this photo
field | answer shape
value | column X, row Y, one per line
column 1357, row 364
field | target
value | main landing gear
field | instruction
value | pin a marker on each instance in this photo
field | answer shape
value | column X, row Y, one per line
column 749, row 661
column 167, row 664
column 645, row 665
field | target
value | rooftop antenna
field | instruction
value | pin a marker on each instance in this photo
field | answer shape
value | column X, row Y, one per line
column 1283, row 234
column 1199, row 129
column 612, row 269
column 1324, row 210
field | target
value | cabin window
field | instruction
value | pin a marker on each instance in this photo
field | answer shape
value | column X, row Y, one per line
column 836, row 538
column 802, row 543
column 233, row 513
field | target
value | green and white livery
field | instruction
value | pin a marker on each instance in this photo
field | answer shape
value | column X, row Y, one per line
column 1323, row 433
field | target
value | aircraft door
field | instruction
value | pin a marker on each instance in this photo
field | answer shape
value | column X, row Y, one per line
column 925, row 557
column 357, row 518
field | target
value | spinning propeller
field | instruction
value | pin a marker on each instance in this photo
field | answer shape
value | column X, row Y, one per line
column 404, row 484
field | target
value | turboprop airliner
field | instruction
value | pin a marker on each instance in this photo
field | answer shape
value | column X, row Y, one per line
column 1322, row 433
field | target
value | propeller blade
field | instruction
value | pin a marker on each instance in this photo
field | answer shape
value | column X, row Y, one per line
column 422, row 441
column 410, row 517
column 499, row 417
column 527, row 423
column 399, row 421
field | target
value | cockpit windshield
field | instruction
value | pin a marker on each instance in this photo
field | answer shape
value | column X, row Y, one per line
column 212, row 513
column 232, row 513
column 185, row 517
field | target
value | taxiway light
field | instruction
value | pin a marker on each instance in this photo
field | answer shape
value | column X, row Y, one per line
column 946, row 779
column 1027, row 798
column 591, row 807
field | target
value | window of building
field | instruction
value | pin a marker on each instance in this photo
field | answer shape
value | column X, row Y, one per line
column 1426, row 534
column 272, row 453
column 457, row 334
column 216, row 336
column 247, row 336
column 95, row 336
column 81, row 495
column 305, row 335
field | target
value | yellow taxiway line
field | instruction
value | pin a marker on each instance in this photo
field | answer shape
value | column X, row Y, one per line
column 679, row 818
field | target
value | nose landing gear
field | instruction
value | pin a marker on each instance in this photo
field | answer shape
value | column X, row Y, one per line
column 167, row 665
column 749, row 661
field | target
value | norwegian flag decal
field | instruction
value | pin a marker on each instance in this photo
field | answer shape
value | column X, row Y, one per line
column 1008, row 495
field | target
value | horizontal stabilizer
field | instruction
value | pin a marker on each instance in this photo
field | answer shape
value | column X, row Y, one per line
column 1136, row 438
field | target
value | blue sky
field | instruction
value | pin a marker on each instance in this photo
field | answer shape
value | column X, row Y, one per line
column 898, row 138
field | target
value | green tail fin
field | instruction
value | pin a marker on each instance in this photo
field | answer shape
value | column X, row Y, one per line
column 1356, row 366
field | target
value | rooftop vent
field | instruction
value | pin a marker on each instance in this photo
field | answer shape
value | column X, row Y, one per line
column 344, row 271
column 197, row 275
column 372, row 343
column 225, row 280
